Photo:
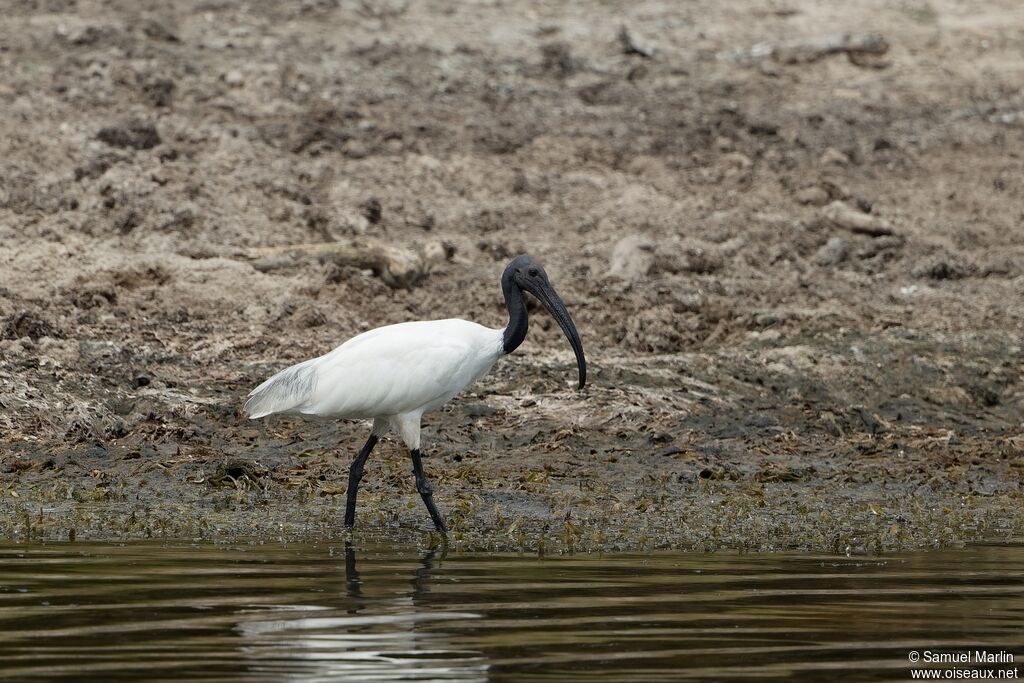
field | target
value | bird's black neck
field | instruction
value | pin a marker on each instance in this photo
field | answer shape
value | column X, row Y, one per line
column 515, row 331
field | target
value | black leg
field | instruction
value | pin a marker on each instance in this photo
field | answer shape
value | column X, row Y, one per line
column 422, row 575
column 351, row 573
column 426, row 491
column 355, row 474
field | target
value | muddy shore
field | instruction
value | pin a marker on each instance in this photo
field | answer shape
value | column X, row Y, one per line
column 791, row 237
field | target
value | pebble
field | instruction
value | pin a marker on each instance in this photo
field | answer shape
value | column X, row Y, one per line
column 234, row 78
column 737, row 160
column 833, row 157
column 832, row 252
column 632, row 257
column 813, row 195
column 856, row 221
column 632, row 44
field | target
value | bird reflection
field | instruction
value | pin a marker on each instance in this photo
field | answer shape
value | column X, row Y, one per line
column 352, row 582
column 381, row 626
column 420, row 577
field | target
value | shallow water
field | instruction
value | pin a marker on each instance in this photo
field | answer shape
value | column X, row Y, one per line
column 378, row 613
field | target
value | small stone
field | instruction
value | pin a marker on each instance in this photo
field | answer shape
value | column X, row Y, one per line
column 309, row 316
column 737, row 160
column 832, row 252
column 168, row 450
column 632, row 257
column 157, row 31
column 849, row 218
column 635, row 45
column 813, row 195
column 723, row 144
column 83, row 35
column 234, row 78
column 833, row 157
column 355, row 149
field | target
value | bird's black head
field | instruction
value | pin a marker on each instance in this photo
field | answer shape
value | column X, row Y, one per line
column 525, row 271
column 525, row 274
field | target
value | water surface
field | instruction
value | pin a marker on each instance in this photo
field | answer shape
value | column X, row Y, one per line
column 169, row 611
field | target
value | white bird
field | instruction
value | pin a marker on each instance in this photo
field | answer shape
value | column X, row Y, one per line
column 395, row 374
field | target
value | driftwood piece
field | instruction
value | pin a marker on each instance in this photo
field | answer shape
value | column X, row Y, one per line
column 848, row 218
column 862, row 49
column 399, row 267
column 853, row 45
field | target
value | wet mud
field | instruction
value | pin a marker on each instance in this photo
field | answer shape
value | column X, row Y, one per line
column 790, row 236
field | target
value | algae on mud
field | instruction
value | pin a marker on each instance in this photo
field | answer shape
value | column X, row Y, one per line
column 767, row 378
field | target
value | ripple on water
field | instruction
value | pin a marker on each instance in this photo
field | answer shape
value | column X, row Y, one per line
column 304, row 612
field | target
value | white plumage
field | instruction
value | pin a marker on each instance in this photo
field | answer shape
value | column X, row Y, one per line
column 395, row 374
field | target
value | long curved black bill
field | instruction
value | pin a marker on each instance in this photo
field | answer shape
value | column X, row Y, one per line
column 547, row 295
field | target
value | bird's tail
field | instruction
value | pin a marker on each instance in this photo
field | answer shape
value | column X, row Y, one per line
column 285, row 392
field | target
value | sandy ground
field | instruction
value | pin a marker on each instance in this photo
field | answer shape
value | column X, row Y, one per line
column 798, row 271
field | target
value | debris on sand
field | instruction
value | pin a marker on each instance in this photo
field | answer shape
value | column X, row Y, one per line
column 27, row 324
column 86, row 35
column 635, row 45
column 813, row 195
column 558, row 59
column 851, row 44
column 832, row 252
column 398, row 267
column 637, row 256
column 943, row 268
column 848, row 218
column 632, row 257
column 158, row 92
column 833, row 157
column 372, row 210
column 862, row 49
column 130, row 134
column 158, row 31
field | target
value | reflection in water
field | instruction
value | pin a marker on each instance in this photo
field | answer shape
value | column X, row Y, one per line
column 351, row 572
column 368, row 642
column 377, row 612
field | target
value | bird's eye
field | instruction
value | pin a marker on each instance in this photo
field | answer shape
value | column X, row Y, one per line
column 533, row 272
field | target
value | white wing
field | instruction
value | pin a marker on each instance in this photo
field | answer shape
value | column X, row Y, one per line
column 284, row 391
column 387, row 371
